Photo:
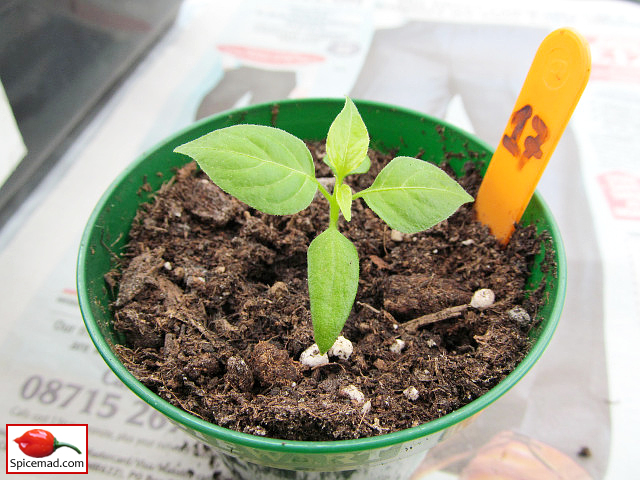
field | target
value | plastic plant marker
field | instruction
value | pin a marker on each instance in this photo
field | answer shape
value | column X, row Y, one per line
column 556, row 79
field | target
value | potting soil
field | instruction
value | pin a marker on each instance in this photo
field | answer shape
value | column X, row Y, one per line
column 212, row 298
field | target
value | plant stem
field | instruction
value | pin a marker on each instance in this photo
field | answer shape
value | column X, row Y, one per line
column 323, row 190
column 334, row 208
column 334, row 212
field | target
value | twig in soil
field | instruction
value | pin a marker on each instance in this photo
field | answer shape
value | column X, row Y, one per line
column 167, row 390
column 203, row 331
column 386, row 315
column 366, row 408
column 390, row 318
column 447, row 313
column 317, row 367
column 366, row 305
column 482, row 299
column 114, row 256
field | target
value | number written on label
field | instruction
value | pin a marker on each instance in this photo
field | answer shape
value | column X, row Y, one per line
column 532, row 144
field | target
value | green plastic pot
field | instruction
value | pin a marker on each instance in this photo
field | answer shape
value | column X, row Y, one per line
column 393, row 455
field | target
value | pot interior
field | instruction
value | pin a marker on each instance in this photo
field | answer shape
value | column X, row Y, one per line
column 390, row 128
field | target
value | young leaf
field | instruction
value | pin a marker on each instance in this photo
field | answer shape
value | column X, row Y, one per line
column 265, row 167
column 343, row 196
column 412, row 195
column 347, row 141
column 364, row 166
column 325, row 159
column 333, row 270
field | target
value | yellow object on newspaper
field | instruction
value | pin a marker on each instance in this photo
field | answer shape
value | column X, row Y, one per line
column 554, row 84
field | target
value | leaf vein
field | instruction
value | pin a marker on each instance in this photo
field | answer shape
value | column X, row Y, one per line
column 261, row 160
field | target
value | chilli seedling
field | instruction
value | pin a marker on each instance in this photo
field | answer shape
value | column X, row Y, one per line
column 272, row 171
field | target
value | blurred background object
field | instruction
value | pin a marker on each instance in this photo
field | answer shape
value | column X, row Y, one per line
column 59, row 59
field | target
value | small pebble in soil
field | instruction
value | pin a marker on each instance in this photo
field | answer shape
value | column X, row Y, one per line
column 352, row 393
column 396, row 236
column 376, row 425
column 411, row 393
column 311, row 357
column 258, row 430
column 342, row 348
column 398, row 345
column 167, row 266
column 520, row 316
column 278, row 289
column 193, row 280
column 483, row 298
column 379, row 364
column 179, row 272
column 239, row 374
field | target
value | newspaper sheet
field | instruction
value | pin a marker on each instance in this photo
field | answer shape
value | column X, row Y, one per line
column 573, row 416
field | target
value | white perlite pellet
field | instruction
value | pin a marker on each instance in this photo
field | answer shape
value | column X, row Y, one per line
column 351, row 392
column 311, row 357
column 342, row 348
column 398, row 345
column 483, row 298
column 396, row 236
column 411, row 393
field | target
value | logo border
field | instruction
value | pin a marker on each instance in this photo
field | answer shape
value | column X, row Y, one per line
column 36, row 425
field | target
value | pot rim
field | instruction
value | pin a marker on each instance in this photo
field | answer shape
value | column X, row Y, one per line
column 314, row 447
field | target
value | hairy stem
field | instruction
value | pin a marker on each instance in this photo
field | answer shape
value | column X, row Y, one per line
column 323, row 191
column 334, row 208
column 334, row 212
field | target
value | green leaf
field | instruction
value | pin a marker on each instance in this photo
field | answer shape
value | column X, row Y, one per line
column 343, row 196
column 412, row 195
column 333, row 270
column 347, row 141
column 326, row 161
column 265, row 167
column 364, row 166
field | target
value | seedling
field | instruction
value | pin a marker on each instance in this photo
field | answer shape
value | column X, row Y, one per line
column 272, row 171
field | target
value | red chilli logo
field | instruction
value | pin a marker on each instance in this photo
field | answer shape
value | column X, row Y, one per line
column 39, row 443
